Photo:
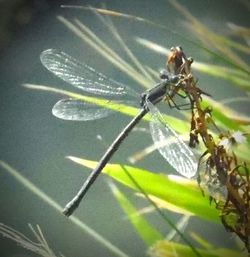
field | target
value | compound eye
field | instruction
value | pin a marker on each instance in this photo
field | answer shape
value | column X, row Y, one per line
column 163, row 74
column 175, row 79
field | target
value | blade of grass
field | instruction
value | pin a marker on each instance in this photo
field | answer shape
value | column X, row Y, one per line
column 236, row 77
column 148, row 233
column 223, row 117
column 171, row 249
column 162, row 215
column 221, row 114
column 204, row 243
column 181, row 225
column 182, row 192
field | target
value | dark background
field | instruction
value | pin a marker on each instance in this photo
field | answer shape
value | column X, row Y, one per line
column 35, row 143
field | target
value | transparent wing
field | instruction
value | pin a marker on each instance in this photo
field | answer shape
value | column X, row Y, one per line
column 209, row 181
column 171, row 146
column 78, row 110
column 81, row 75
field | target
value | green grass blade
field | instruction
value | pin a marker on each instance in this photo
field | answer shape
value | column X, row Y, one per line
column 166, row 248
column 183, row 193
column 201, row 241
column 221, row 114
column 148, row 233
column 235, row 76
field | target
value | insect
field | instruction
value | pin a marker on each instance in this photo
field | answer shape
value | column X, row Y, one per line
column 85, row 78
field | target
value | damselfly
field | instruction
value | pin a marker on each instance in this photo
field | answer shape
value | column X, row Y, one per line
column 85, row 78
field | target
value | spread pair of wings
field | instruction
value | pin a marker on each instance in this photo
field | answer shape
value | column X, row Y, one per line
column 85, row 78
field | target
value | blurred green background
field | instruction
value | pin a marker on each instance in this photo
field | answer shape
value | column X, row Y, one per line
column 35, row 143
